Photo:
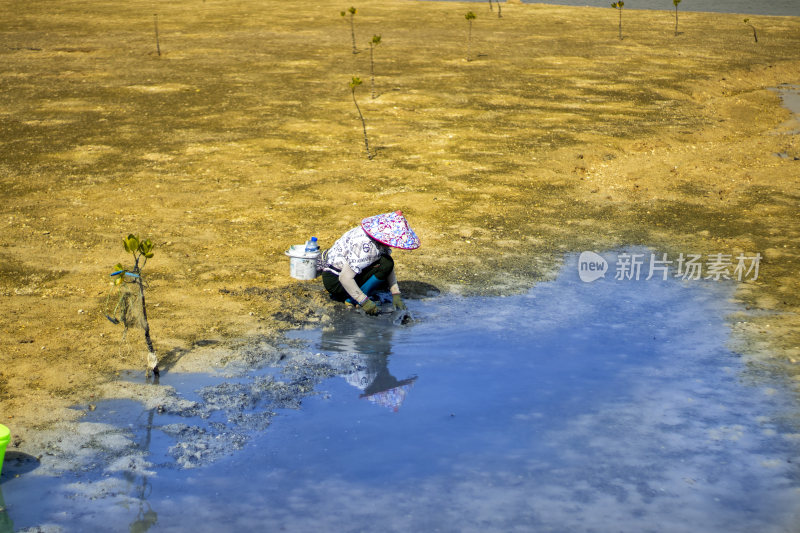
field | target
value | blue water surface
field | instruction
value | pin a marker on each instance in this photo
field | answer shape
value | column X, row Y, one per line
column 603, row 406
column 764, row 7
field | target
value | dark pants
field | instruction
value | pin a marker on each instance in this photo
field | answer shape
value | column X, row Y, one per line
column 380, row 269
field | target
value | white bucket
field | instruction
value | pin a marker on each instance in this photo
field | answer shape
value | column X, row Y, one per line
column 302, row 264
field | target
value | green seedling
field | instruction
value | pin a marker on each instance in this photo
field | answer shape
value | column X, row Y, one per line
column 352, row 11
column 755, row 36
column 470, row 16
column 131, row 309
column 355, row 82
column 675, row 3
column 618, row 6
column 376, row 40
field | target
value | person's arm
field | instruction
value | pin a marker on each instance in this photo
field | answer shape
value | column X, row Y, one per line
column 391, row 281
column 397, row 300
column 347, row 279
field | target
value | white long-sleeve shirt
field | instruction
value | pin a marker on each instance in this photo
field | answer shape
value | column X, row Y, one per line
column 350, row 254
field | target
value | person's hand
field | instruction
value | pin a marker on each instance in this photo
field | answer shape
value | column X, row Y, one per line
column 370, row 308
column 397, row 301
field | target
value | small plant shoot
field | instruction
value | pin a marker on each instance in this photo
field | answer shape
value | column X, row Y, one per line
column 755, row 36
column 618, row 6
column 155, row 23
column 376, row 40
column 470, row 16
column 131, row 309
column 355, row 82
column 675, row 3
column 352, row 11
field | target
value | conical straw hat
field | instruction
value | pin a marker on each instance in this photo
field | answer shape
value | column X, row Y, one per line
column 391, row 229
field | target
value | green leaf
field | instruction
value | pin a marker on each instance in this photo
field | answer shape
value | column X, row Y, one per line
column 132, row 243
column 146, row 247
column 148, row 255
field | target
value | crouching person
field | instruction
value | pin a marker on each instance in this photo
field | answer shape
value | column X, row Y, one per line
column 360, row 262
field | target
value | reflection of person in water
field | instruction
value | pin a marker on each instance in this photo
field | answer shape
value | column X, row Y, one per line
column 360, row 262
column 370, row 373
column 362, row 357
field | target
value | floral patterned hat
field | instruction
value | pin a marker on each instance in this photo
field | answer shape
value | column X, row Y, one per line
column 392, row 230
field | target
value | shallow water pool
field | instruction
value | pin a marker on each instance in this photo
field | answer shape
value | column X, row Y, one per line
column 603, row 406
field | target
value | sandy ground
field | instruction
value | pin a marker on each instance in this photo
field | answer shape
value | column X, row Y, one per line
column 241, row 139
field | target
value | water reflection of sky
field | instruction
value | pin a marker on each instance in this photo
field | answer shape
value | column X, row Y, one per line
column 764, row 7
column 610, row 406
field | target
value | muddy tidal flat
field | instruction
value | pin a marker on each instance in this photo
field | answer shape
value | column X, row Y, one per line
column 234, row 135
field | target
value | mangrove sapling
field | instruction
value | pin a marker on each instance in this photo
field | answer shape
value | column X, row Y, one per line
column 675, row 3
column 155, row 23
column 131, row 309
column 352, row 12
column 470, row 16
column 755, row 37
column 355, row 82
column 490, row 6
column 376, row 40
column 499, row 10
column 618, row 6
